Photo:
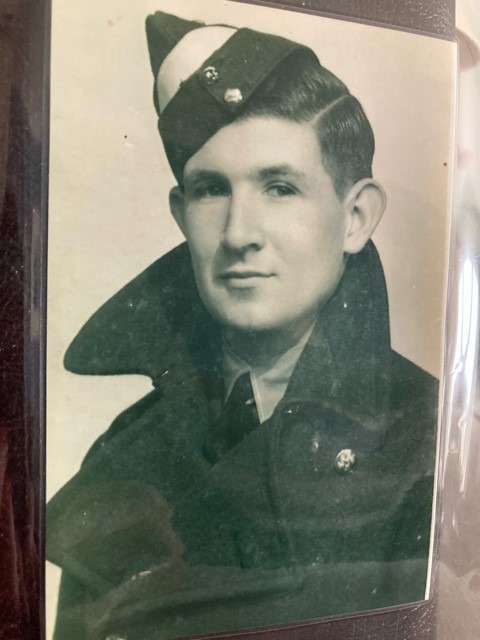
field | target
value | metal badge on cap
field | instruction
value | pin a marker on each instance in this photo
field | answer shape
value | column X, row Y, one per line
column 233, row 96
column 211, row 75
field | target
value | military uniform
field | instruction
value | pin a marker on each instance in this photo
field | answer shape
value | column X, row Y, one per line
column 323, row 509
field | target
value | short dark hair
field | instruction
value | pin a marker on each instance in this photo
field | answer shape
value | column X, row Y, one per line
column 304, row 91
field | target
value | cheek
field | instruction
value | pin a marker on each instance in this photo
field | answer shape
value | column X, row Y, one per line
column 202, row 233
column 308, row 228
column 314, row 256
column 314, row 244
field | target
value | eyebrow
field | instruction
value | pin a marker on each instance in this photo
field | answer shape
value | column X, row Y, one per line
column 277, row 171
column 260, row 175
column 202, row 175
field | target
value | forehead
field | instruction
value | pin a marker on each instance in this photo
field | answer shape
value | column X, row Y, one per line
column 256, row 144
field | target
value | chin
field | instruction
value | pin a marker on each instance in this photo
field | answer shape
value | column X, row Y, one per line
column 246, row 322
column 246, row 325
column 246, row 315
column 232, row 318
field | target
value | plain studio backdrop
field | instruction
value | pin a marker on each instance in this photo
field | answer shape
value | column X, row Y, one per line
column 109, row 184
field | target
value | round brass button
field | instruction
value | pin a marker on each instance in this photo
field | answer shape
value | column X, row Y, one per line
column 345, row 461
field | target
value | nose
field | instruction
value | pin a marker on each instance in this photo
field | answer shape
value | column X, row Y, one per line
column 243, row 229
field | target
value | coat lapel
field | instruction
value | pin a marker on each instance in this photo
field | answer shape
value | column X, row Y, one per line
column 157, row 322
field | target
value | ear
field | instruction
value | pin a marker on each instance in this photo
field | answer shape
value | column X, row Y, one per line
column 364, row 205
column 177, row 207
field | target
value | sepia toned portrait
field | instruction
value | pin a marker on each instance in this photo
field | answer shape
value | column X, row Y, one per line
column 248, row 237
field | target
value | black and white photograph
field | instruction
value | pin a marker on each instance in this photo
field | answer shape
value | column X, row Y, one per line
column 249, row 213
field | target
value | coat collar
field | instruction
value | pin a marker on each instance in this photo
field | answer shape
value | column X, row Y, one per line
column 346, row 364
column 158, row 323
column 147, row 327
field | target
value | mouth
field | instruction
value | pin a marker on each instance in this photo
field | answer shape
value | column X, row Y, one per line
column 243, row 275
column 243, row 278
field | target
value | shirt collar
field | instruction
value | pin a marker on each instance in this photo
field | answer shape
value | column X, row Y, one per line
column 269, row 381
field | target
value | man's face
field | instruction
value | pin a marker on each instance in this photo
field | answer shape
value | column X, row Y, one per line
column 265, row 227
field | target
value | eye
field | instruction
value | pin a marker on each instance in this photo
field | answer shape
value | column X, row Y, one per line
column 209, row 190
column 281, row 190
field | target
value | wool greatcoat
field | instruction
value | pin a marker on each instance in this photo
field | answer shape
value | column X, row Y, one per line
column 157, row 542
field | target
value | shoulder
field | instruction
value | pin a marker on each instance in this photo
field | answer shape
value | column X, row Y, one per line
column 412, row 384
column 123, row 421
column 414, row 398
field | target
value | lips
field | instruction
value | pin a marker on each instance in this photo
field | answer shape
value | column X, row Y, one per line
column 236, row 279
column 243, row 275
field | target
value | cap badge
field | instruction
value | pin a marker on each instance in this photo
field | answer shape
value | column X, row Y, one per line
column 211, row 75
column 233, row 96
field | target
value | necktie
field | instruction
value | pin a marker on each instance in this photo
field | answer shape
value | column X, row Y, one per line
column 238, row 418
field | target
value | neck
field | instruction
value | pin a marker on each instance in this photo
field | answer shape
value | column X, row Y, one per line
column 260, row 348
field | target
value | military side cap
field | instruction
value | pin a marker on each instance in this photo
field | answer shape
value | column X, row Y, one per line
column 205, row 76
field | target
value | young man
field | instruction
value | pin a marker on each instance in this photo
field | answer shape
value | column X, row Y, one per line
column 282, row 467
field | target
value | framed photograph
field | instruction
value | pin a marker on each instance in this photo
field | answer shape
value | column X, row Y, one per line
column 249, row 216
